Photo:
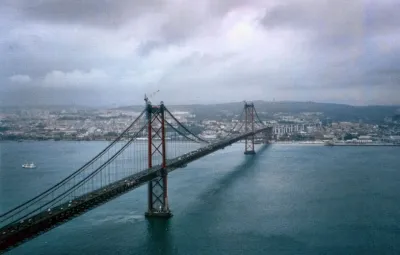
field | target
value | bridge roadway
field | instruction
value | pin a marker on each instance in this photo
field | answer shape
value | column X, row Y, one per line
column 16, row 233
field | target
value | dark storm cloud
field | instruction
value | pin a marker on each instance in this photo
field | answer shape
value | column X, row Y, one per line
column 383, row 17
column 177, row 21
column 330, row 24
column 112, row 12
column 103, row 13
column 340, row 29
column 182, row 19
column 56, row 50
column 36, row 57
column 336, row 22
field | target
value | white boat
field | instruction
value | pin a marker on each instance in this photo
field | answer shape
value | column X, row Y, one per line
column 31, row 165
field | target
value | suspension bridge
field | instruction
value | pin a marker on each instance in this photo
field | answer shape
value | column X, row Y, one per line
column 153, row 145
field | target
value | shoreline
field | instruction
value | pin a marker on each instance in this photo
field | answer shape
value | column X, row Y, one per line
column 307, row 143
column 363, row 145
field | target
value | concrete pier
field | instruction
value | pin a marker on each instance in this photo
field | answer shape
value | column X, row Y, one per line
column 157, row 214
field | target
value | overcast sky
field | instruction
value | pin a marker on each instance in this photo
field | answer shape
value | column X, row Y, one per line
column 103, row 52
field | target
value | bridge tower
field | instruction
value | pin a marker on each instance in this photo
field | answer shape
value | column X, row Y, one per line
column 267, row 135
column 158, row 187
column 249, row 127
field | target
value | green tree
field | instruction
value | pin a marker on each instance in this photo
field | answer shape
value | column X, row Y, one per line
column 349, row 136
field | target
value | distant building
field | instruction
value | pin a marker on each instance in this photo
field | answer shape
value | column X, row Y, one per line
column 329, row 137
column 395, row 138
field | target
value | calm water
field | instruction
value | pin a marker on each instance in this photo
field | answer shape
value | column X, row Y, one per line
column 288, row 199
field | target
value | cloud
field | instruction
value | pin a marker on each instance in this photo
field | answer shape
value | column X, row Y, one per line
column 336, row 24
column 201, row 51
column 19, row 78
column 75, row 78
column 101, row 13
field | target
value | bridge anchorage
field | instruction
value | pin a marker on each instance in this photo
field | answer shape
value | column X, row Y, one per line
column 158, row 187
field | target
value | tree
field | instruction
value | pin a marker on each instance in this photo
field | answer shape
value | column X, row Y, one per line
column 349, row 136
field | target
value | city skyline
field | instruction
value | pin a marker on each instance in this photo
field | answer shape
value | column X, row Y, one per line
column 99, row 53
column 157, row 102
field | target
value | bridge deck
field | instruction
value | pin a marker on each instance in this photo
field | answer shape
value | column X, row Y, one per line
column 17, row 233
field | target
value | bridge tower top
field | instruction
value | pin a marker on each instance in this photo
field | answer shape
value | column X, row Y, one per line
column 248, row 104
column 154, row 109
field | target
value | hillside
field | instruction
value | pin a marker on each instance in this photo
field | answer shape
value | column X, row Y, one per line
column 337, row 112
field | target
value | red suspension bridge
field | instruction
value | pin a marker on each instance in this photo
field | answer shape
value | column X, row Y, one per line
column 153, row 145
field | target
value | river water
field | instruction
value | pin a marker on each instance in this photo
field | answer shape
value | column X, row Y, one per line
column 287, row 199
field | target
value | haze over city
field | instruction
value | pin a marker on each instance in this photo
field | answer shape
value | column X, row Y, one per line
column 113, row 52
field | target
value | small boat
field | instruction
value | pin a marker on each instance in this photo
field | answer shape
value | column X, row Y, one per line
column 31, row 165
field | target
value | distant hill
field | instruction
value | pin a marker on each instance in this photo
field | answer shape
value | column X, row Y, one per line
column 337, row 112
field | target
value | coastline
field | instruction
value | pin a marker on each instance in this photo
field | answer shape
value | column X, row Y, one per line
column 364, row 145
column 297, row 143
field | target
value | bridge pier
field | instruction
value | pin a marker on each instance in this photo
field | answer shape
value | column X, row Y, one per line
column 158, row 187
column 250, row 152
column 158, row 198
column 249, row 124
